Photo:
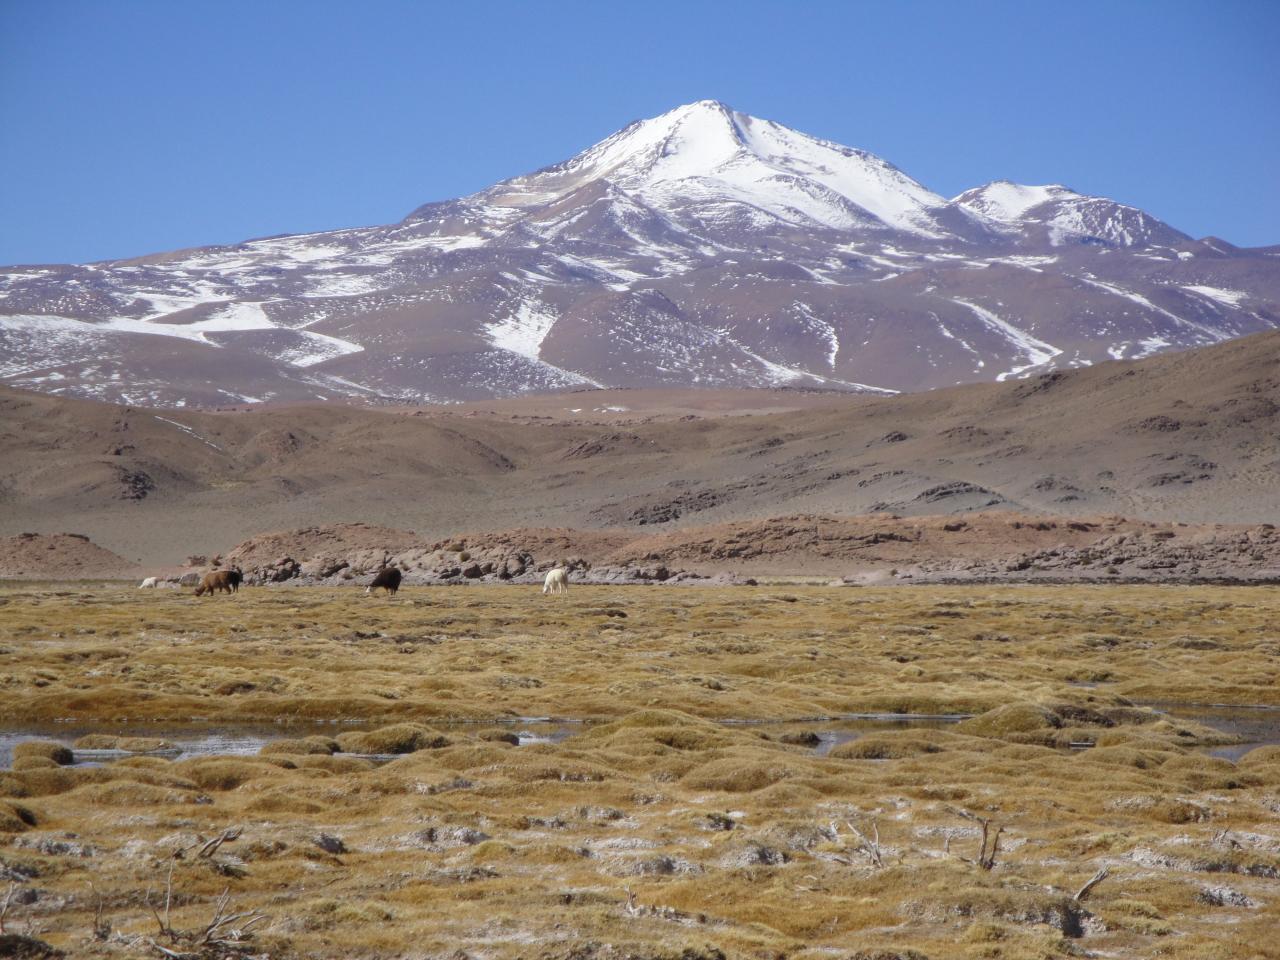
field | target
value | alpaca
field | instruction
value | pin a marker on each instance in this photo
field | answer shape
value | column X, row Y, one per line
column 557, row 580
column 150, row 582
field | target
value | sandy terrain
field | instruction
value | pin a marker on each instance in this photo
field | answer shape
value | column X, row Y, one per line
column 59, row 556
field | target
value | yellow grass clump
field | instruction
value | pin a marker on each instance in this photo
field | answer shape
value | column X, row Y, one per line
column 398, row 738
column 44, row 749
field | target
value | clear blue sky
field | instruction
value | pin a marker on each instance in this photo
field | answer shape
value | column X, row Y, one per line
column 137, row 126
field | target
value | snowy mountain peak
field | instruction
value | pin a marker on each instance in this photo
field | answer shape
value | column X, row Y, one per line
column 1008, row 202
column 706, row 165
column 1061, row 216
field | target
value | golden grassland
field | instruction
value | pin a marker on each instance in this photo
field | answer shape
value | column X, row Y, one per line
column 657, row 831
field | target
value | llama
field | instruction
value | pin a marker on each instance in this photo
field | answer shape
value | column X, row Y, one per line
column 557, row 580
column 388, row 578
column 227, row 581
column 147, row 584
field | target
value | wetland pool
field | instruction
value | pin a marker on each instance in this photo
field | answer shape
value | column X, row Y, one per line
column 1256, row 726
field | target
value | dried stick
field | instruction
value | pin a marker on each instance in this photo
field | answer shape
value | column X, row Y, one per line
column 986, row 858
column 101, row 931
column 990, row 860
column 4, row 907
column 871, row 847
column 211, row 846
column 1096, row 879
column 222, row 919
column 165, row 929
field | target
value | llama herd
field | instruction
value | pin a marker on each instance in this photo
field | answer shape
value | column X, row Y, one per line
column 387, row 579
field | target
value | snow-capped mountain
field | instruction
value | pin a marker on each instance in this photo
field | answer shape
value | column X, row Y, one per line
column 1060, row 216
column 701, row 247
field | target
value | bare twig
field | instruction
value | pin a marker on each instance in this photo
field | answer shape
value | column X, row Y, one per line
column 224, row 929
column 868, row 845
column 990, row 860
column 211, row 846
column 101, row 929
column 986, row 857
column 163, row 923
column 1096, row 879
column 222, row 919
column 4, row 907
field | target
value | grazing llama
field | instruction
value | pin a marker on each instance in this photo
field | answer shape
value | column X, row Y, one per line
column 388, row 579
column 148, row 583
column 226, row 581
column 557, row 580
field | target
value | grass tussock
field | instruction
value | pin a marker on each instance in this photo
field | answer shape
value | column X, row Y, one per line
column 226, row 773
column 16, row 818
column 398, row 738
column 43, row 750
column 310, row 746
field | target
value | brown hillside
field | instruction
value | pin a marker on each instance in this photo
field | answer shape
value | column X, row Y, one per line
column 1193, row 436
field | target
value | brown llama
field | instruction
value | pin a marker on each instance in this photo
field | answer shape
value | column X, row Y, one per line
column 227, row 581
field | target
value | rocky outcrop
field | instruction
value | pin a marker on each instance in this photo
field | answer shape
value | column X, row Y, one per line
column 1249, row 554
column 1006, row 547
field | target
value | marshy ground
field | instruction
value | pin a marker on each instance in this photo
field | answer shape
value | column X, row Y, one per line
column 657, row 829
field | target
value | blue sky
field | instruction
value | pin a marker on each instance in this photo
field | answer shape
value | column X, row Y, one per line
column 138, row 126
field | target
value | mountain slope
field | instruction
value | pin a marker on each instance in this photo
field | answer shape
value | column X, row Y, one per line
column 1191, row 436
column 703, row 247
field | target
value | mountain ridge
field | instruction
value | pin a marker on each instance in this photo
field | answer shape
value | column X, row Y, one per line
column 703, row 247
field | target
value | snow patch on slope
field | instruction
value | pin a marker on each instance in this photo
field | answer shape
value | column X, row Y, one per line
column 1228, row 298
column 523, row 331
column 1038, row 352
column 1215, row 336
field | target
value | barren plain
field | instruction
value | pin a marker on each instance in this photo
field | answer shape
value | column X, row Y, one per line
column 1076, row 811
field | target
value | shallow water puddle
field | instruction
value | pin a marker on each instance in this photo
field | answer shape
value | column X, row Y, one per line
column 202, row 740
column 224, row 739
column 1257, row 726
